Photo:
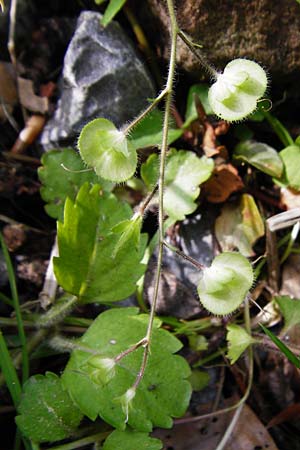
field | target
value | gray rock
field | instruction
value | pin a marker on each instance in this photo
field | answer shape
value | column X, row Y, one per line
column 178, row 286
column 102, row 76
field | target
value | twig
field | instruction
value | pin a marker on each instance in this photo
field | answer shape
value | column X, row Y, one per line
column 47, row 295
column 272, row 259
column 6, row 219
column 11, row 34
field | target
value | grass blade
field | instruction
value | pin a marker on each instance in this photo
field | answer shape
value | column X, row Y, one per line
column 288, row 353
column 6, row 300
column 16, row 305
column 9, row 372
column 112, row 9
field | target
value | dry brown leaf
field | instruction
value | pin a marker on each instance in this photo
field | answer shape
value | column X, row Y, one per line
column 290, row 413
column 210, row 132
column 248, row 434
column 224, row 181
column 14, row 236
column 209, row 143
column 239, row 225
column 290, row 198
column 29, row 99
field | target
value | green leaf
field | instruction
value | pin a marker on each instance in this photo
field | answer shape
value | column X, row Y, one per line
column 86, row 266
column 184, row 173
column 290, row 308
column 242, row 132
column 47, row 412
column 148, row 132
column 112, row 9
column 131, row 440
column 225, row 284
column 130, row 232
column 279, row 129
column 199, row 380
column 197, row 342
column 239, row 225
column 153, row 403
column 201, row 91
column 258, row 115
column 235, row 93
column 238, row 340
column 59, row 183
column 107, row 150
column 261, row 156
column 285, row 350
column 291, row 160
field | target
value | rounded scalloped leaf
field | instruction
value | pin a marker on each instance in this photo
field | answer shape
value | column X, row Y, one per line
column 236, row 91
column 153, row 403
column 46, row 411
column 225, row 284
column 131, row 440
column 104, row 148
column 184, row 174
column 60, row 183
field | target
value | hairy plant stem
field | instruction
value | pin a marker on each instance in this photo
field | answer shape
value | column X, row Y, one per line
column 163, row 152
column 144, row 205
column 68, row 345
column 57, row 313
column 184, row 256
column 155, row 102
column 130, row 350
column 195, row 50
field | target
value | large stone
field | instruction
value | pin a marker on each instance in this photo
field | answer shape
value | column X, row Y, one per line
column 267, row 31
column 178, row 285
column 102, row 76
